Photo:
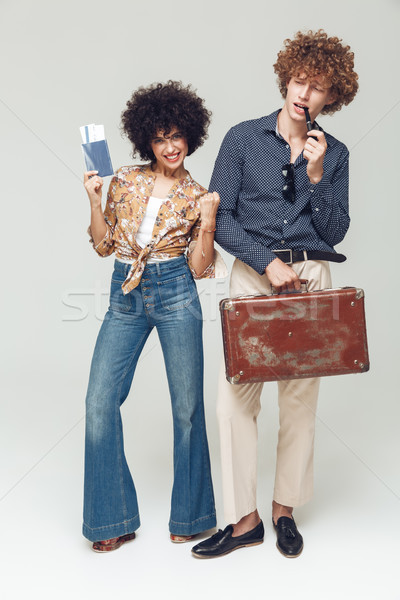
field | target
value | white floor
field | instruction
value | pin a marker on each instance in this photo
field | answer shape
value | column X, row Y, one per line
column 351, row 528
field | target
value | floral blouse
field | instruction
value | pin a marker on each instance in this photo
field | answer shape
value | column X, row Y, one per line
column 177, row 222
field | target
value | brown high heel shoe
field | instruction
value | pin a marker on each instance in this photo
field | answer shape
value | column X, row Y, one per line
column 113, row 543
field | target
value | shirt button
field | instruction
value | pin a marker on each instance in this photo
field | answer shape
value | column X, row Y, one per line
column 312, row 191
column 285, row 221
column 287, row 145
column 282, row 241
column 317, row 209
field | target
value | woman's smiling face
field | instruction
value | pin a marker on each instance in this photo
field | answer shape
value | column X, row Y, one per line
column 170, row 150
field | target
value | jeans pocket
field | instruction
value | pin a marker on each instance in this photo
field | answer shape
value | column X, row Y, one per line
column 174, row 293
column 118, row 300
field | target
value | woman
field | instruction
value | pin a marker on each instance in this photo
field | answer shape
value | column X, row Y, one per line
column 153, row 212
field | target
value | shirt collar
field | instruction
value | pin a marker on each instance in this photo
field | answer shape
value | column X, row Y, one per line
column 270, row 123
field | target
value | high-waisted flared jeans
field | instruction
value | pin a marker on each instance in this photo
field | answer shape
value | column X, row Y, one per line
column 167, row 299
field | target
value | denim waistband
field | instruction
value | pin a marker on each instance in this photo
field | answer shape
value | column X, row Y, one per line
column 155, row 268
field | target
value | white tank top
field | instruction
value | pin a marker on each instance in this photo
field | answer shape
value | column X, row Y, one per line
column 145, row 231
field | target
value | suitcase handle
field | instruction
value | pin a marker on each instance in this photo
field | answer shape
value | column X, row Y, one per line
column 303, row 282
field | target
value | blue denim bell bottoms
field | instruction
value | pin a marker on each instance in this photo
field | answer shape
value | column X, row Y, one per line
column 167, row 299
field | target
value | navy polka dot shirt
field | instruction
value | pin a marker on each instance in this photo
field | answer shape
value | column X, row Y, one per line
column 254, row 218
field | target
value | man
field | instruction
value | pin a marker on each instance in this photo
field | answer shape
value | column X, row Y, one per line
column 284, row 206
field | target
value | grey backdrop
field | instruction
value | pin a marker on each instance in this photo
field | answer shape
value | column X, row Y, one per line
column 67, row 64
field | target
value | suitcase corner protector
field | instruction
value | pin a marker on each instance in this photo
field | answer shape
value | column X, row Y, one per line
column 359, row 293
column 226, row 304
column 235, row 378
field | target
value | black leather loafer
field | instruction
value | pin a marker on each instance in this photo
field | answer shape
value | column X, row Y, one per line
column 289, row 541
column 223, row 542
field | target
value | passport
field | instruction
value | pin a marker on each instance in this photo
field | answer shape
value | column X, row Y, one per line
column 95, row 150
column 97, row 157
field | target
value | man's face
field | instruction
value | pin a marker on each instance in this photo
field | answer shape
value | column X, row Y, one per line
column 312, row 92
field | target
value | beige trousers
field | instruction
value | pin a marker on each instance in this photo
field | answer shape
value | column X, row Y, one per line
column 239, row 405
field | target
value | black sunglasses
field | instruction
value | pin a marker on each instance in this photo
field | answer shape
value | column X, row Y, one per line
column 288, row 189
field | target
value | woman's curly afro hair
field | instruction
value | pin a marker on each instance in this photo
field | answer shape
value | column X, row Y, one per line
column 313, row 53
column 159, row 108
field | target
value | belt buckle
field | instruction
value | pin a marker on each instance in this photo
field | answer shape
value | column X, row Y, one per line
column 279, row 251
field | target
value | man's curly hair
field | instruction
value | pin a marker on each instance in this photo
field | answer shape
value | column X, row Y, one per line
column 161, row 107
column 314, row 53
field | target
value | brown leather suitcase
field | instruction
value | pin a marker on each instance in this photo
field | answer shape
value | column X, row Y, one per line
column 290, row 336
